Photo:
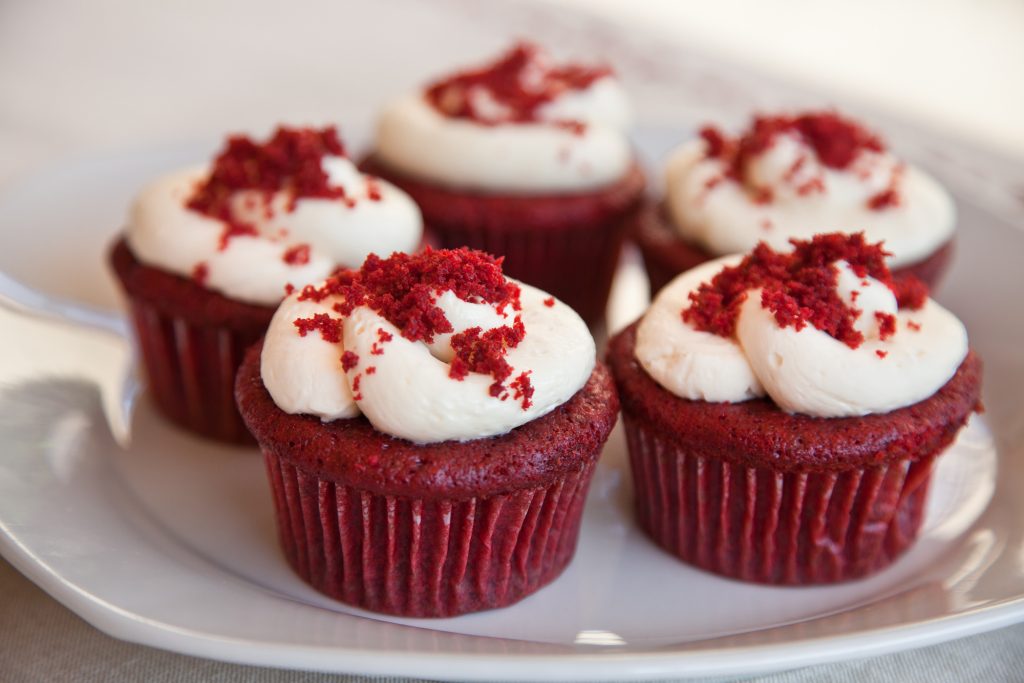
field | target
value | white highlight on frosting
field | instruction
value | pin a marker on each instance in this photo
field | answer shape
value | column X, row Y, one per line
column 165, row 234
column 410, row 395
column 803, row 371
column 723, row 217
column 532, row 157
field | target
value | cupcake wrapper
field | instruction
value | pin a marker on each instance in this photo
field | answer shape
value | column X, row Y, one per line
column 768, row 526
column 191, row 371
column 424, row 558
column 575, row 264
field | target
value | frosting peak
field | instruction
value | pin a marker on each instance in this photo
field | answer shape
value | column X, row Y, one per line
column 823, row 330
column 521, row 124
column 788, row 175
column 264, row 216
column 430, row 347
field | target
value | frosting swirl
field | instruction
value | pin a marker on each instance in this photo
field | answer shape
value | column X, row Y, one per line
column 520, row 125
column 434, row 347
column 788, row 176
column 263, row 217
column 837, row 340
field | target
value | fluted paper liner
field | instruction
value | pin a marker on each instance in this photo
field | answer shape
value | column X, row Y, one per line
column 768, row 526
column 191, row 371
column 421, row 557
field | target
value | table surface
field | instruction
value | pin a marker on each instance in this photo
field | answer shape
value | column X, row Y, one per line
column 81, row 78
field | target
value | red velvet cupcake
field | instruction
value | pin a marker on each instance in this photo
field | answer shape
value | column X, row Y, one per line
column 523, row 159
column 430, row 429
column 784, row 411
column 208, row 254
column 784, row 177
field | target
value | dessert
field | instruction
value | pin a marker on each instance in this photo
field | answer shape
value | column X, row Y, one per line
column 430, row 429
column 783, row 411
column 209, row 252
column 788, row 176
column 523, row 159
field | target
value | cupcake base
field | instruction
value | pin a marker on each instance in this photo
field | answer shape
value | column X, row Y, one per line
column 192, row 341
column 567, row 245
column 748, row 491
column 428, row 530
column 667, row 255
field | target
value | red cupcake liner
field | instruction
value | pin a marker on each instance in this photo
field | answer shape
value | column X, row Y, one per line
column 575, row 264
column 420, row 557
column 769, row 526
column 191, row 370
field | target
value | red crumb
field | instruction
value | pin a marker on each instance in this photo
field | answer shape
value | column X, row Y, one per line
column 373, row 188
column 329, row 328
column 880, row 353
column 549, row 302
column 356, row 394
column 484, row 353
column 201, row 272
column 799, row 288
column 349, row 360
column 522, row 388
column 884, row 200
column 371, row 370
column 886, row 325
column 403, row 288
column 519, row 82
column 836, row 141
column 383, row 337
column 910, row 292
column 289, row 288
column 916, row 327
column 289, row 161
column 297, row 255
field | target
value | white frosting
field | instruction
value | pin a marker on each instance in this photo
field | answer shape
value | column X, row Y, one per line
column 723, row 216
column 803, row 371
column 515, row 157
column 165, row 234
column 410, row 395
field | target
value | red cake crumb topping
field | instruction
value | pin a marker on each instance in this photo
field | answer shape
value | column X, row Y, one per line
column 201, row 272
column 349, row 360
column 373, row 188
column 549, row 302
column 836, row 142
column 800, row 288
column 484, row 352
column 403, row 288
column 329, row 328
column 880, row 353
column 916, row 327
column 289, row 161
column 519, row 83
column 297, row 255
column 886, row 324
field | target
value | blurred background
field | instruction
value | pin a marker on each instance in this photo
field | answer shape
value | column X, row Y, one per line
column 81, row 76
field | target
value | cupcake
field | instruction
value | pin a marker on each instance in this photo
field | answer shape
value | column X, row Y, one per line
column 784, row 410
column 785, row 177
column 524, row 159
column 430, row 429
column 210, row 251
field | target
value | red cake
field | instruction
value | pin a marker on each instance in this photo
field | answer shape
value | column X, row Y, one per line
column 753, row 492
column 454, row 522
column 495, row 166
column 209, row 252
column 783, row 177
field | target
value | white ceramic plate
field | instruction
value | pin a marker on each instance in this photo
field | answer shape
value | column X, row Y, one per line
column 171, row 543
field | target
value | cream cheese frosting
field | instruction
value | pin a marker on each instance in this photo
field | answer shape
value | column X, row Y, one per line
column 573, row 140
column 710, row 207
column 802, row 370
column 406, row 388
column 291, row 241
